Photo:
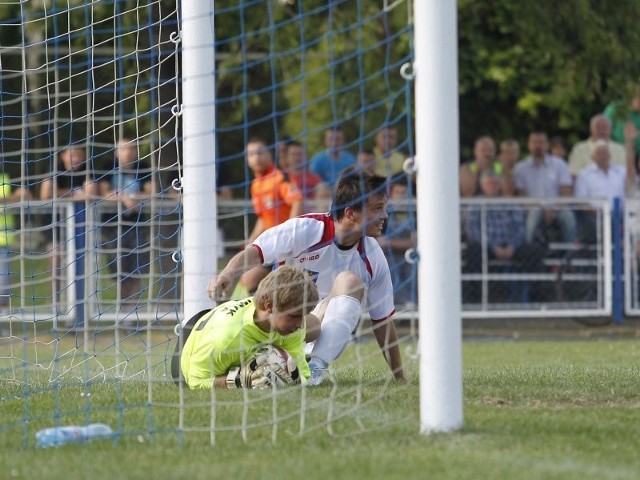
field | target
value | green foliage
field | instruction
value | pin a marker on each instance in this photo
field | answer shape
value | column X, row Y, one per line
column 542, row 65
column 297, row 68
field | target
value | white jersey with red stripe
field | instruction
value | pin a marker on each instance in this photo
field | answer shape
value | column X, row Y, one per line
column 308, row 242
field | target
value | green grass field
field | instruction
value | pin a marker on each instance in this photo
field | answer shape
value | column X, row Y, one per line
column 555, row 409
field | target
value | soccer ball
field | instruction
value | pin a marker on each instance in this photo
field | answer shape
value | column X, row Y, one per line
column 277, row 359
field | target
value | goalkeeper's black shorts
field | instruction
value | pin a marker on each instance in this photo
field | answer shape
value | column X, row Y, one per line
column 176, row 372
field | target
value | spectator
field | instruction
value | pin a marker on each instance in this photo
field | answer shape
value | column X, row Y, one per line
column 125, row 230
column 298, row 173
column 621, row 112
column 366, row 160
column 542, row 175
column 274, row 200
column 322, row 198
column 389, row 161
column 484, row 153
column 281, row 152
column 7, row 233
column 340, row 251
column 632, row 186
column 500, row 232
column 70, row 179
column 600, row 179
column 507, row 159
column 581, row 155
column 630, row 136
column 330, row 163
column 558, row 147
column 400, row 236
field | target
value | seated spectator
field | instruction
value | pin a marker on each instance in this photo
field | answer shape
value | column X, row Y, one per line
column 366, row 160
column 330, row 163
column 622, row 112
column 484, row 157
column 542, row 175
column 600, row 179
column 297, row 171
column 581, row 153
column 281, row 152
column 558, row 147
column 389, row 161
column 507, row 158
column 503, row 236
column 400, row 236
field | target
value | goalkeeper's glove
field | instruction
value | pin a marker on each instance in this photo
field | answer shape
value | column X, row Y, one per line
column 261, row 377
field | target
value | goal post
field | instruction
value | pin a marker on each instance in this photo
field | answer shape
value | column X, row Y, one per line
column 199, row 146
column 436, row 110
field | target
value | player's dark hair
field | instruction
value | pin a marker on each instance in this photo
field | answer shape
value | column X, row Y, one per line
column 353, row 189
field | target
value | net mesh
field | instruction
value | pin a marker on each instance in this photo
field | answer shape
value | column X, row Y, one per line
column 93, row 277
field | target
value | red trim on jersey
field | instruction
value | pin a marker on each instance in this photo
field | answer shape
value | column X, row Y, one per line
column 259, row 252
column 329, row 232
column 363, row 256
column 385, row 318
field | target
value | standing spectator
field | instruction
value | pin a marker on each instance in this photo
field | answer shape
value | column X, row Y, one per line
column 330, row 163
column 581, row 155
column 274, row 200
column 507, row 159
column 542, row 175
column 621, row 112
column 400, row 236
column 600, row 179
column 297, row 171
column 341, row 252
column 389, row 161
column 7, row 233
column 125, row 230
column 498, row 230
column 70, row 179
column 484, row 158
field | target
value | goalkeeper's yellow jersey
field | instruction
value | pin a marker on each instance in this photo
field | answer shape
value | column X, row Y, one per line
column 227, row 334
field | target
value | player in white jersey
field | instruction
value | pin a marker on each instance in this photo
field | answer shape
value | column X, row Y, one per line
column 340, row 252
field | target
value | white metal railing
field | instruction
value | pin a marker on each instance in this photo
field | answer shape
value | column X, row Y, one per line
column 594, row 270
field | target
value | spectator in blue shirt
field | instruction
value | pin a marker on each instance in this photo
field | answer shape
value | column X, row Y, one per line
column 500, row 231
column 330, row 163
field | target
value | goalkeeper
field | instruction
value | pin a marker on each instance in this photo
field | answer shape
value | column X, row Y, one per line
column 220, row 344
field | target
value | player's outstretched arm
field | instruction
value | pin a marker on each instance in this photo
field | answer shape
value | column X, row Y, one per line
column 221, row 286
column 387, row 338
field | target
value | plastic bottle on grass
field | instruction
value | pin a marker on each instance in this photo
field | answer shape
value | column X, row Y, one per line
column 72, row 434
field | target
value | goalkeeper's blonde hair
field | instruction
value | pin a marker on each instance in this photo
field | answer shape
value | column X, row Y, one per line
column 289, row 289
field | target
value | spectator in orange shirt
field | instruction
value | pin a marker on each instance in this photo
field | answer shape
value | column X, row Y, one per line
column 274, row 198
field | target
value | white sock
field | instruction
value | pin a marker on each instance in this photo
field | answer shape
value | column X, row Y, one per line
column 340, row 319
